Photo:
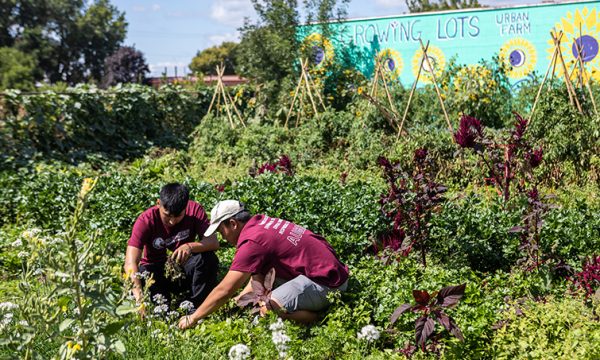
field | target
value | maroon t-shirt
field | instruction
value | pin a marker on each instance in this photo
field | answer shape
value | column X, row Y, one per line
column 150, row 234
column 267, row 242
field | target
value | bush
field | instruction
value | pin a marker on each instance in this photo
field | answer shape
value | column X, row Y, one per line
column 555, row 328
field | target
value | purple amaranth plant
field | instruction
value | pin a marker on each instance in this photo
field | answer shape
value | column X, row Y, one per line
column 409, row 204
column 469, row 131
column 431, row 307
column 588, row 278
column 283, row 165
column 513, row 158
column 530, row 230
column 261, row 293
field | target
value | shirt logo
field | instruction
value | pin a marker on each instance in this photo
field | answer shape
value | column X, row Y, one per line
column 159, row 243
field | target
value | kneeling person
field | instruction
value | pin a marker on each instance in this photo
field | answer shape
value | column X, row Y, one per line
column 174, row 223
column 305, row 264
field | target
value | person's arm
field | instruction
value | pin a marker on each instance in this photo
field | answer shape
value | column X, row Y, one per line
column 219, row 296
column 132, row 259
column 183, row 252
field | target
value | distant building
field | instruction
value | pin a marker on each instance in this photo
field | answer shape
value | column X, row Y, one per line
column 228, row 80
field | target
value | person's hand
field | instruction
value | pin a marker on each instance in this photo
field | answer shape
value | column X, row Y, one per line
column 187, row 322
column 182, row 254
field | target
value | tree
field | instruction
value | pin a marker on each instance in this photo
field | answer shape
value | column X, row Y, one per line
column 126, row 65
column 416, row 6
column 69, row 39
column 206, row 60
column 269, row 49
column 16, row 69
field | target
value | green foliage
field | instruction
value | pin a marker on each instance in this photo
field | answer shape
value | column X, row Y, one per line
column 75, row 303
column 17, row 69
column 119, row 123
column 206, row 61
column 565, row 156
column 416, row 6
column 69, row 40
column 533, row 331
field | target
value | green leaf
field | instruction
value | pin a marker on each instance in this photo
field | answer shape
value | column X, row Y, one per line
column 113, row 328
column 65, row 324
column 119, row 347
column 125, row 309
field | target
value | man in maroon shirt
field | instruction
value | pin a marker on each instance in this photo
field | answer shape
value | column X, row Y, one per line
column 173, row 224
column 304, row 263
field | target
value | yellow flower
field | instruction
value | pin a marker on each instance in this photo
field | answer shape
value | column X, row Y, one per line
column 87, row 186
column 360, row 90
column 76, row 347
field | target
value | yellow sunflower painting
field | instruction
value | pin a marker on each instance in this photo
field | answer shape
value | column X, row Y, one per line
column 392, row 62
column 318, row 49
column 436, row 58
column 521, row 57
column 581, row 29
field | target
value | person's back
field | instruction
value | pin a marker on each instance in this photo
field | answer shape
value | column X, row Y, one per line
column 267, row 242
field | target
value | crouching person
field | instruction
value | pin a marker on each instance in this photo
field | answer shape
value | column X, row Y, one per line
column 306, row 266
column 178, row 224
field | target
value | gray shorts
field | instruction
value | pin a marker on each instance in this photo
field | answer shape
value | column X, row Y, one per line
column 301, row 293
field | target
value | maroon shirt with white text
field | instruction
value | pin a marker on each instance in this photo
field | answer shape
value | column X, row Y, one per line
column 267, row 242
column 150, row 234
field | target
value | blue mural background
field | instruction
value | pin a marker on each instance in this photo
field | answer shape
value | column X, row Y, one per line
column 519, row 35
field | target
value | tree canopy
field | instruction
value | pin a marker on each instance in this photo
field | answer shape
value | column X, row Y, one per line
column 415, row 6
column 17, row 69
column 205, row 61
column 126, row 65
column 68, row 39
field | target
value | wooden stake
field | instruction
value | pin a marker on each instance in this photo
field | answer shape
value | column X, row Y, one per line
column 412, row 91
column 537, row 97
column 437, row 90
column 583, row 73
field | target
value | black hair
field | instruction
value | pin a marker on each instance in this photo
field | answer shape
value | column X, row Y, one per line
column 243, row 216
column 174, row 198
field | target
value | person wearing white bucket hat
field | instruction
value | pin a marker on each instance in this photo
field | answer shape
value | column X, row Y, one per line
column 306, row 266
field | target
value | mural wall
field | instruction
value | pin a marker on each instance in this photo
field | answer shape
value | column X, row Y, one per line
column 519, row 35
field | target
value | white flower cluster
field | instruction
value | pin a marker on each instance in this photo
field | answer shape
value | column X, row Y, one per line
column 239, row 352
column 161, row 304
column 6, row 320
column 159, row 299
column 187, row 306
column 7, row 306
column 143, row 275
column 31, row 233
column 17, row 243
column 368, row 333
column 162, row 308
column 279, row 337
column 23, row 254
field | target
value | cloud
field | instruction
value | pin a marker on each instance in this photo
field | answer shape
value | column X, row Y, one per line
column 142, row 9
column 231, row 12
column 217, row 39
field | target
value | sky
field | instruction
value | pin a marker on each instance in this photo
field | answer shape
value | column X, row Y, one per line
column 171, row 32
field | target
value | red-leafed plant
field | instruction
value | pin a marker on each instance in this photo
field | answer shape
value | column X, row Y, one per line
column 509, row 161
column 530, row 230
column 260, row 294
column 588, row 278
column 411, row 200
column 283, row 165
column 431, row 307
